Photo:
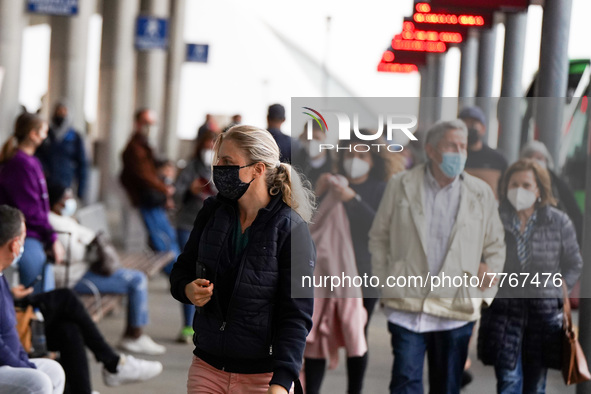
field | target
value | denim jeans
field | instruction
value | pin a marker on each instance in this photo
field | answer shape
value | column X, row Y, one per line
column 48, row 378
column 34, row 263
column 162, row 235
column 523, row 379
column 446, row 350
column 133, row 283
column 164, row 239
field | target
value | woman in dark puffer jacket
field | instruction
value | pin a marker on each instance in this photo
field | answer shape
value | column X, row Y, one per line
column 520, row 334
column 242, row 267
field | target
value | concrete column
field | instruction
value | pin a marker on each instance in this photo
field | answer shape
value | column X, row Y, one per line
column 13, row 20
column 468, row 67
column 486, row 66
column 509, row 108
column 176, row 57
column 116, row 91
column 151, row 71
column 425, row 99
column 585, row 294
column 67, row 61
column 437, row 62
column 553, row 74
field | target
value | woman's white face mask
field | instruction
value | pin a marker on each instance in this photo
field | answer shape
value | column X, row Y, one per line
column 70, row 206
column 521, row 198
column 356, row 167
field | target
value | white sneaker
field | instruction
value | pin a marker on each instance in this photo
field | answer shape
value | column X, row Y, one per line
column 144, row 344
column 132, row 370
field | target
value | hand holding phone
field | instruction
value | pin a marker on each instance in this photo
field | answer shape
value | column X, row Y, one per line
column 199, row 292
column 19, row 292
column 35, row 281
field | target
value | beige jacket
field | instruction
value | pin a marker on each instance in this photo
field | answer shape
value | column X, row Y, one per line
column 397, row 242
column 75, row 239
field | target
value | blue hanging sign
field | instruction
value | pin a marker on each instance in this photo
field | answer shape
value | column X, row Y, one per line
column 151, row 33
column 197, row 53
column 53, row 7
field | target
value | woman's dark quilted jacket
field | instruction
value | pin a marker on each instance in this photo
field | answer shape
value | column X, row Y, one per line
column 530, row 318
column 262, row 328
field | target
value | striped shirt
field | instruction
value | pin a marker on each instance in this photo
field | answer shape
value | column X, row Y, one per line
column 523, row 244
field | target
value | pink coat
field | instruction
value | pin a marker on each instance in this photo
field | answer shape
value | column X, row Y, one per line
column 339, row 316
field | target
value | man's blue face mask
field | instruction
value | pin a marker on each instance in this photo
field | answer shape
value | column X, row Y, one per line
column 452, row 164
column 18, row 257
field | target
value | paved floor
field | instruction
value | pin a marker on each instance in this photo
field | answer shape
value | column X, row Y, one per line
column 165, row 321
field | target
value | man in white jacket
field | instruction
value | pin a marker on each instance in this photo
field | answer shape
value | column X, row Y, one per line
column 436, row 235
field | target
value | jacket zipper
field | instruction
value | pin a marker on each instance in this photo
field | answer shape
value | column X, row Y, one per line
column 240, row 270
column 219, row 307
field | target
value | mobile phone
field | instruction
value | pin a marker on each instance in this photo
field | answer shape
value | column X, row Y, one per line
column 201, row 271
column 35, row 281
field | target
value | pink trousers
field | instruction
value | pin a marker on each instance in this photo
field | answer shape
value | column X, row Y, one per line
column 205, row 379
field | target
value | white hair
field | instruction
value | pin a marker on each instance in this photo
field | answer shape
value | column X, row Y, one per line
column 537, row 147
column 438, row 130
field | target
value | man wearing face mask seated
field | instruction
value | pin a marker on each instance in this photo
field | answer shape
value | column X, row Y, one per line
column 483, row 162
column 133, row 283
column 18, row 373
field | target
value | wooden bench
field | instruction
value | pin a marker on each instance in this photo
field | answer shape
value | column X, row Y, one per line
column 147, row 262
column 105, row 303
column 97, row 308
column 150, row 263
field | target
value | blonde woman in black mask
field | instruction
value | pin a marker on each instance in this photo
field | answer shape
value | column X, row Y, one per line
column 248, row 247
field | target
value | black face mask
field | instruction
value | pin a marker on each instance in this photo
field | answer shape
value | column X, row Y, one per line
column 227, row 181
column 58, row 120
column 473, row 136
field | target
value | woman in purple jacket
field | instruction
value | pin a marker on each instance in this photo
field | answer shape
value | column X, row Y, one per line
column 23, row 186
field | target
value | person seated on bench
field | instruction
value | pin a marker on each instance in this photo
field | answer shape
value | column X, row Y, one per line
column 18, row 373
column 69, row 330
column 134, row 283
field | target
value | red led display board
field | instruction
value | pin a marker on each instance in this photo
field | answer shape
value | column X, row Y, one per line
column 494, row 5
column 410, row 32
column 397, row 68
column 388, row 56
column 405, row 57
column 390, row 62
column 463, row 30
column 398, row 43
column 430, row 17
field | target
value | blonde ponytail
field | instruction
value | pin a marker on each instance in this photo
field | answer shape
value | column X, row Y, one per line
column 8, row 149
column 260, row 146
column 295, row 192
